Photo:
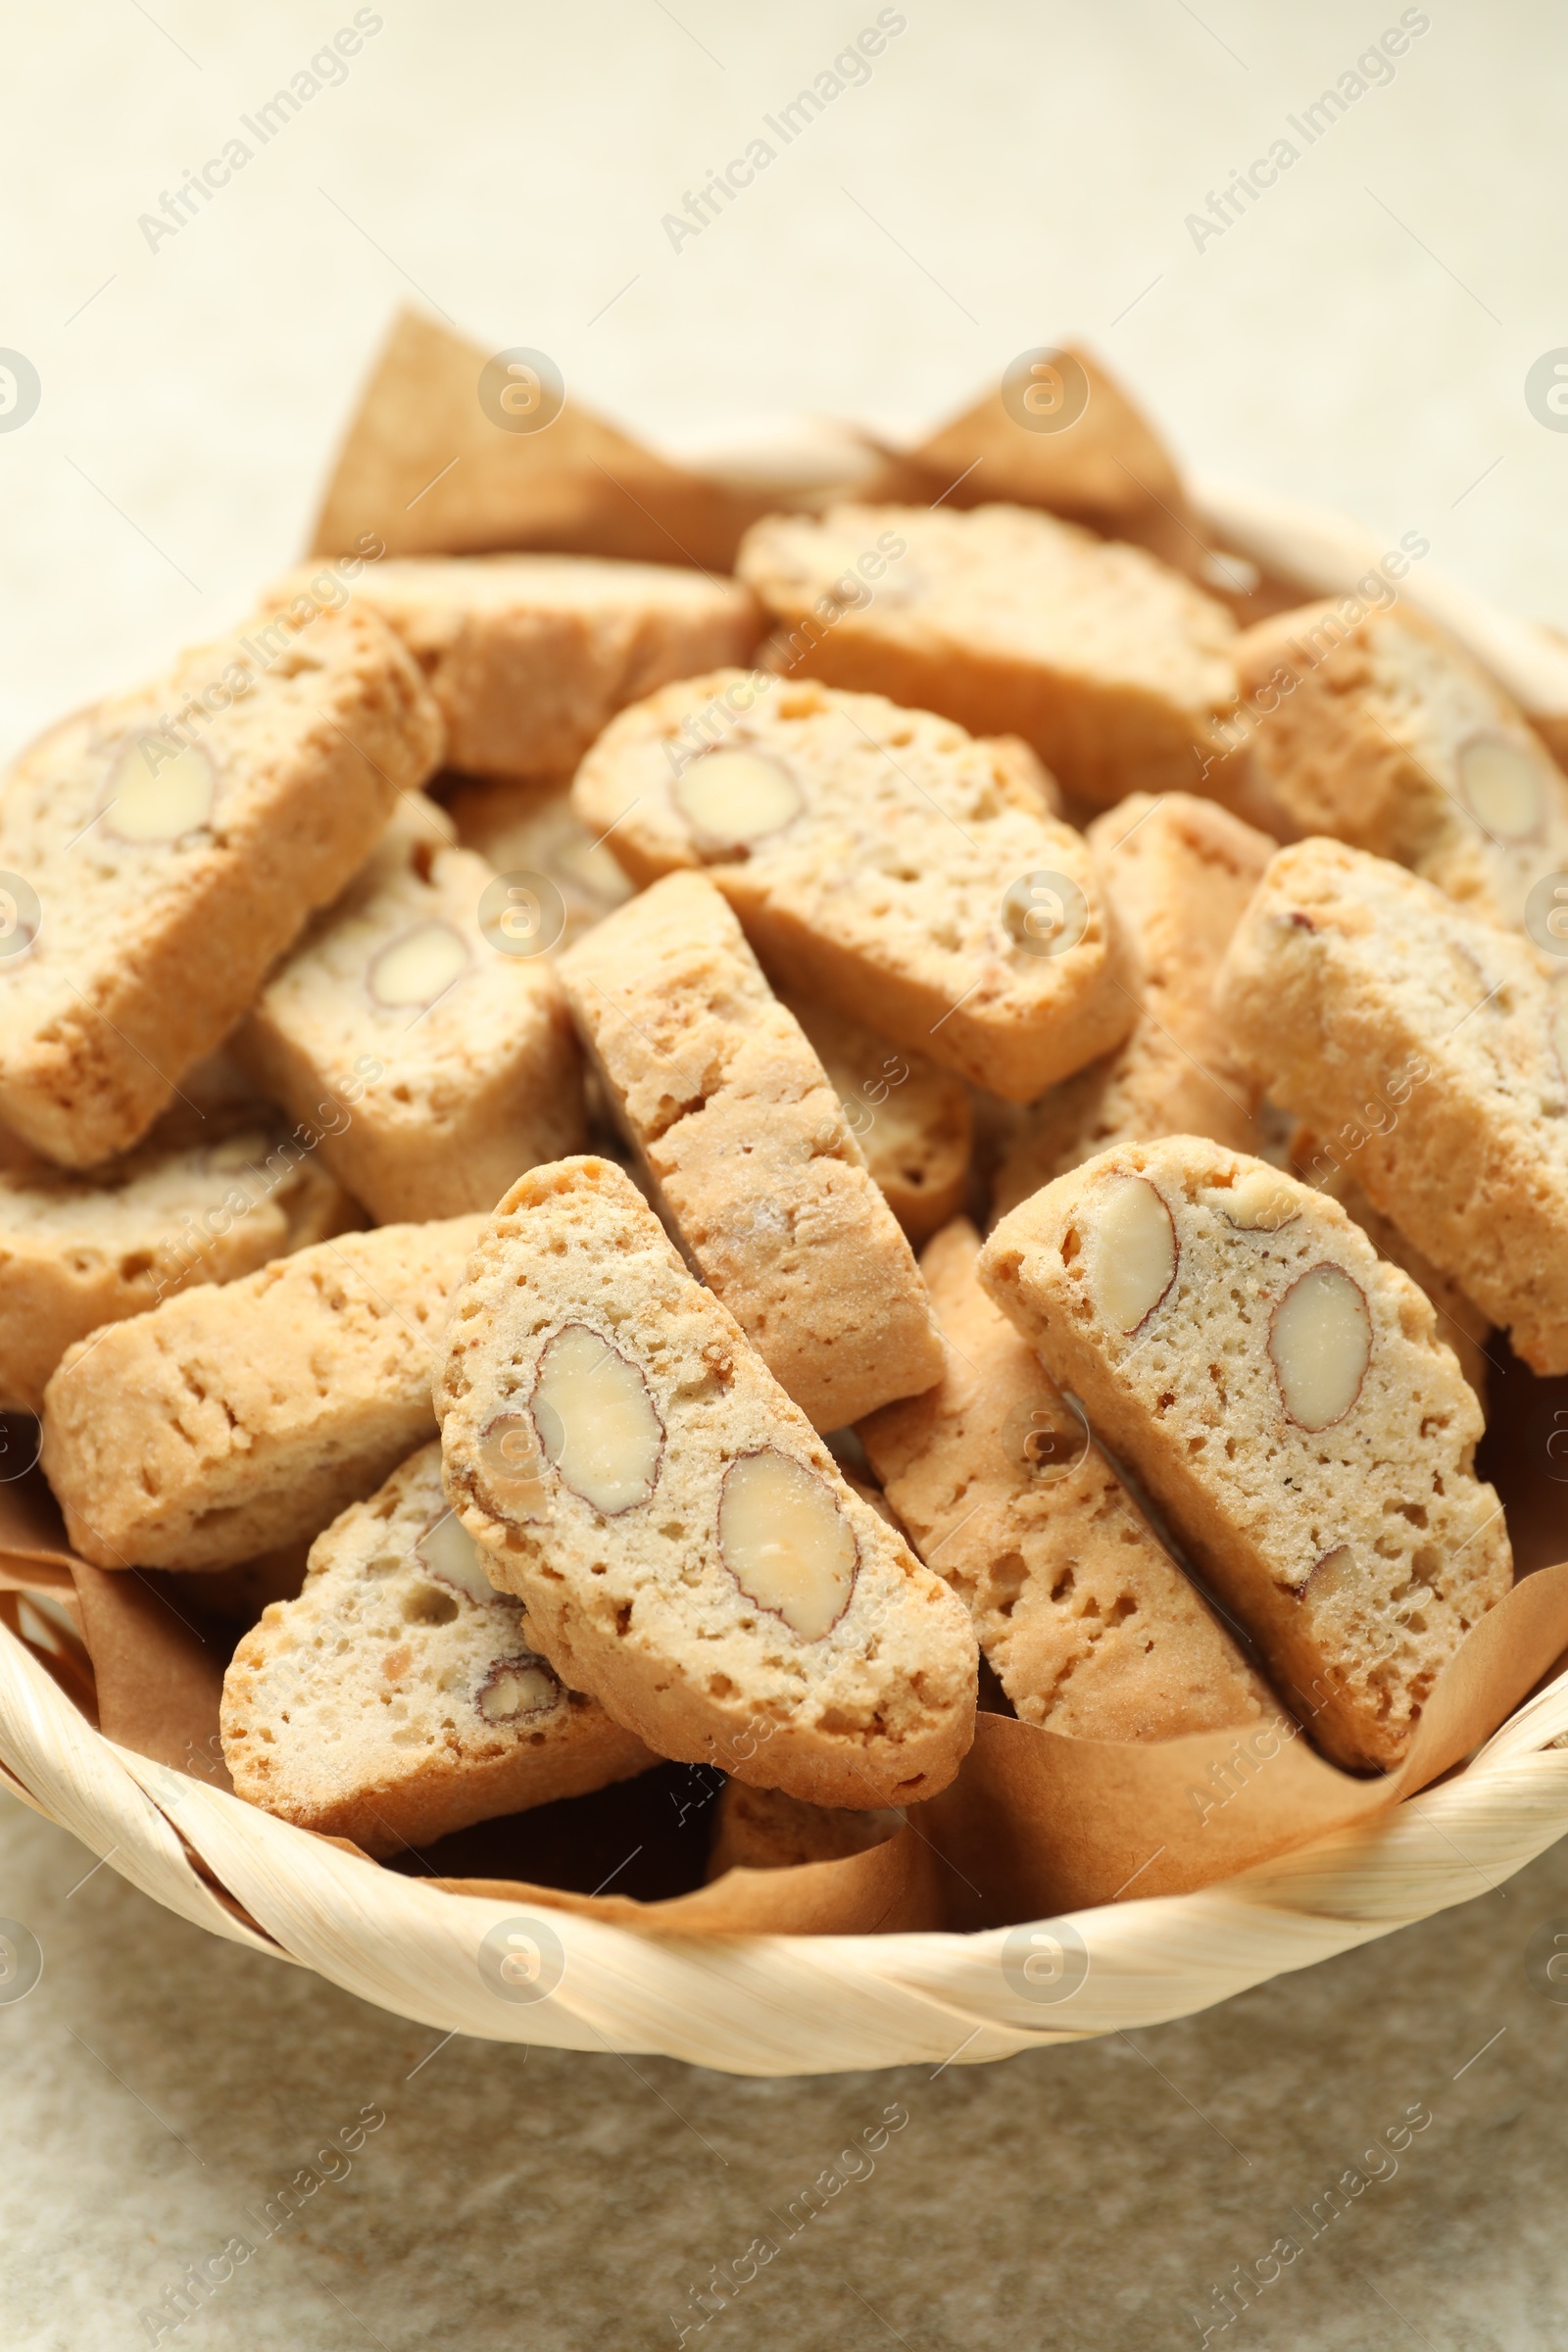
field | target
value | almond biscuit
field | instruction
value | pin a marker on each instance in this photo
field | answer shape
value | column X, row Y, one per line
column 1114, row 667
column 1283, row 1394
column 78, row 1252
column 234, row 1420
column 1388, row 735
column 450, row 1056
column 528, row 829
column 912, row 1120
column 1092, row 1629
column 1460, row 1323
column 399, row 1697
column 1424, row 1049
column 878, row 858
column 681, row 1537
column 529, row 657
column 762, row 1829
column 163, row 847
column 749, row 1151
column 1179, row 872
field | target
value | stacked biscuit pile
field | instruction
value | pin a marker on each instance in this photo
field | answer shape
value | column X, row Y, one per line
column 480, row 1048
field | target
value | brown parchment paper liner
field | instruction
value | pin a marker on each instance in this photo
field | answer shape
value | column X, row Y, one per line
column 1033, row 1825
column 426, row 471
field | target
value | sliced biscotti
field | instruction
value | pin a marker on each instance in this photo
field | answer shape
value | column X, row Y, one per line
column 1092, row 1629
column 762, row 1829
column 233, row 1420
column 400, row 1696
column 77, row 1251
column 1425, row 1042
column 749, row 1152
column 433, row 1043
column 1281, row 1393
column 1388, row 735
column 912, row 1120
column 1114, row 667
column 168, row 844
column 1179, row 872
column 879, row 858
column 1460, row 1321
column 531, row 835
column 681, row 1537
column 528, row 657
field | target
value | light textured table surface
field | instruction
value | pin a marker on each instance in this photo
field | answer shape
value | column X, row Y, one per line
column 1008, row 175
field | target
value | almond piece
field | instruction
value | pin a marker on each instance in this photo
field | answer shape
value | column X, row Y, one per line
column 521, row 1685
column 1134, row 1251
column 512, row 1465
column 596, row 1420
column 1261, row 1201
column 453, row 1557
column 731, row 798
column 786, row 1542
column 1501, row 786
column 412, row 971
column 1320, row 1338
column 158, row 790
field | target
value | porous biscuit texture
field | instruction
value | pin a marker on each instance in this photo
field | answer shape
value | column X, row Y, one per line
column 749, row 1153
column 878, row 858
column 1428, row 1053
column 1283, row 1394
column 78, row 1252
column 171, row 843
column 528, row 657
column 234, row 1420
column 678, row 1532
column 1114, row 667
column 912, row 1120
column 436, row 1046
column 1093, row 1631
column 399, row 1697
column 1460, row 1322
column 1179, row 872
column 1388, row 735
column 530, row 831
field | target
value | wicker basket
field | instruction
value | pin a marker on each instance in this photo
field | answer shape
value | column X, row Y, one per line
column 819, row 2004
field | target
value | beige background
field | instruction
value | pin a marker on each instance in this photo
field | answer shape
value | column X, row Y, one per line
column 1009, row 174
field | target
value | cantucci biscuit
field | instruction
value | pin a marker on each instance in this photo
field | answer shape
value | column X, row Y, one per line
column 1424, row 1049
column 1179, row 871
column 529, row 831
column 680, row 1535
column 1460, row 1323
column 400, row 1696
column 879, row 858
column 1283, row 1394
column 528, row 657
column 443, row 1045
column 233, row 1420
column 911, row 1119
column 78, row 1252
column 158, row 850
column 1388, row 735
column 762, row 1829
column 749, row 1153
column 1115, row 667
column 1092, row 1629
